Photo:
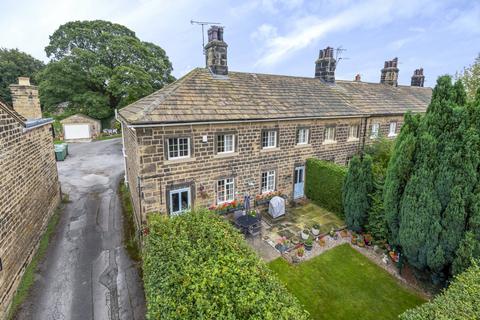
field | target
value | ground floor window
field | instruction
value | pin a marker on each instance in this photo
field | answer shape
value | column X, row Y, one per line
column 268, row 181
column 180, row 201
column 225, row 190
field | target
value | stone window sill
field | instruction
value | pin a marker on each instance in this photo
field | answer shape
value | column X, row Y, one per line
column 303, row 145
column 270, row 149
column 353, row 139
column 329, row 142
column 182, row 160
column 392, row 135
column 225, row 155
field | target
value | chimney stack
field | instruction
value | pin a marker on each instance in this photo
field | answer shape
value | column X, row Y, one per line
column 25, row 99
column 390, row 73
column 325, row 66
column 418, row 78
column 216, row 51
column 358, row 78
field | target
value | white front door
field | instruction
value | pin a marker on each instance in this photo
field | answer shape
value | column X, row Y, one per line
column 180, row 200
column 76, row 131
column 298, row 183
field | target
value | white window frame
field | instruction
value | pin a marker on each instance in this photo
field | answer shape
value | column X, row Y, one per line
column 179, row 191
column 303, row 133
column 270, row 177
column 223, row 136
column 354, row 134
column 178, row 150
column 224, row 194
column 375, row 133
column 394, row 132
column 271, row 135
column 328, row 129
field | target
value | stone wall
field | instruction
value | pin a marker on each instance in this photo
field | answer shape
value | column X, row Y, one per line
column 153, row 175
column 132, row 167
column 29, row 194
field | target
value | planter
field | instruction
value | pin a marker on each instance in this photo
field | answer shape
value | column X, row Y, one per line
column 344, row 233
column 315, row 232
column 308, row 247
column 321, row 242
column 304, row 235
column 261, row 202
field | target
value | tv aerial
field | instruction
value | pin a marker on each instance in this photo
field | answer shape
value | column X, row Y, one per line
column 203, row 24
column 338, row 54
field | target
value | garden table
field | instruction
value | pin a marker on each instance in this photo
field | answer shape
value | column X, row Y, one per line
column 249, row 224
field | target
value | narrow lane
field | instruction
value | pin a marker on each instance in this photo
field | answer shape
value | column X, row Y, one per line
column 87, row 273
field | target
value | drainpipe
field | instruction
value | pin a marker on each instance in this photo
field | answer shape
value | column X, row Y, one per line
column 123, row 150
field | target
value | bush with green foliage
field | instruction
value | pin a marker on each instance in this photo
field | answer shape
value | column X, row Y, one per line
column 430, row 193
column 460, row 301
column 197, row 266
column 357, row 189
column 323, row 184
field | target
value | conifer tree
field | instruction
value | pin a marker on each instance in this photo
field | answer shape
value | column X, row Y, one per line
column 357, row 189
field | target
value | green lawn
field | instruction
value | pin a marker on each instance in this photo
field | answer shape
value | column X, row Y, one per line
column 343, row 284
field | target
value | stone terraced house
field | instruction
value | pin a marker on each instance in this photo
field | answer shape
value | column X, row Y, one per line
column 29, row 187
column 214, row 135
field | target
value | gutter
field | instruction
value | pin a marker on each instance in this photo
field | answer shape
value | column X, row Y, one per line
column 33, row 124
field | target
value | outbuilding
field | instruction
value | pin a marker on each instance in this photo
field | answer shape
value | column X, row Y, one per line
column 80, row 127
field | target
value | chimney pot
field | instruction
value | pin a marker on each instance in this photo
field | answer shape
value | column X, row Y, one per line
column 216, row 51
column 358, row 77
column 389, row 74
column 24, row 81
column 418, row 78
column 325, row 65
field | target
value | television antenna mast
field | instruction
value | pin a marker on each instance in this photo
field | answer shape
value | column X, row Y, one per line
column 338, row 54
column 203, row 24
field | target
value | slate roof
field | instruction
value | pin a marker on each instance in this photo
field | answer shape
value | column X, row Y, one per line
column 200, row 96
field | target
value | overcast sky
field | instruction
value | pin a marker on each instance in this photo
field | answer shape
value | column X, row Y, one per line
column 274, row 36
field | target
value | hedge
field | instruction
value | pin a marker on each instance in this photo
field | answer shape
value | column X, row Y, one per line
column 197, row 266
column 460, row 301
column 323, row 184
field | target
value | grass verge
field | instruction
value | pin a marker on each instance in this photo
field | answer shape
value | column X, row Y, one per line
column 343, row 284
column 28, row 277
column 129, row 231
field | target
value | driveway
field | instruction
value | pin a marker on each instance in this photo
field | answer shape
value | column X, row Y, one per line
column 87, row 273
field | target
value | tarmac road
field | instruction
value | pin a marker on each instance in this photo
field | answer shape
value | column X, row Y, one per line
column 87, row 273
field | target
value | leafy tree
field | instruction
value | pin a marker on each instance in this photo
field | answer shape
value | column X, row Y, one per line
column 357, row 188
column 14, row 64
column 98, row 66
column 470, row 77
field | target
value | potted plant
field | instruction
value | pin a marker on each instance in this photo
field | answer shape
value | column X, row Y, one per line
column 305, row 234
column 354, row 238
column 300, row 251
column 368, row 239
column 322, row 242
column 344, row 233
column 360, row 241
column 316, row 229
column 308, row 244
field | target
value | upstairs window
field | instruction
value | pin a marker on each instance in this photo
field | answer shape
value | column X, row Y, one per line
column 353, row 132
column 225, row 190
column 375, row 130
column 392, row 130
column 269, row 139
column 225, row 143
column 330, row 134
column 268, row 181
column 302, row 136
column 178, row 148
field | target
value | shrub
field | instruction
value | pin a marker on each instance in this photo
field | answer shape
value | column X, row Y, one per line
column 197, row 266
column 459, row 301
column 323, row 184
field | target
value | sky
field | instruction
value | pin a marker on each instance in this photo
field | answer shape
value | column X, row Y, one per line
column 274, row 36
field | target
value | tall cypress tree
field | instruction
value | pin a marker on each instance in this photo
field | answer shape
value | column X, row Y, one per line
column 357, row 190
column 430, row 189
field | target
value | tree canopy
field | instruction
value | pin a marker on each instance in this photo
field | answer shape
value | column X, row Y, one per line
column 14, row 64
column 432, row 182
column 470, row 77
column 98, row 66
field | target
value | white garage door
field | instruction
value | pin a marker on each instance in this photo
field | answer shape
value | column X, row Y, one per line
column 76, row 131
